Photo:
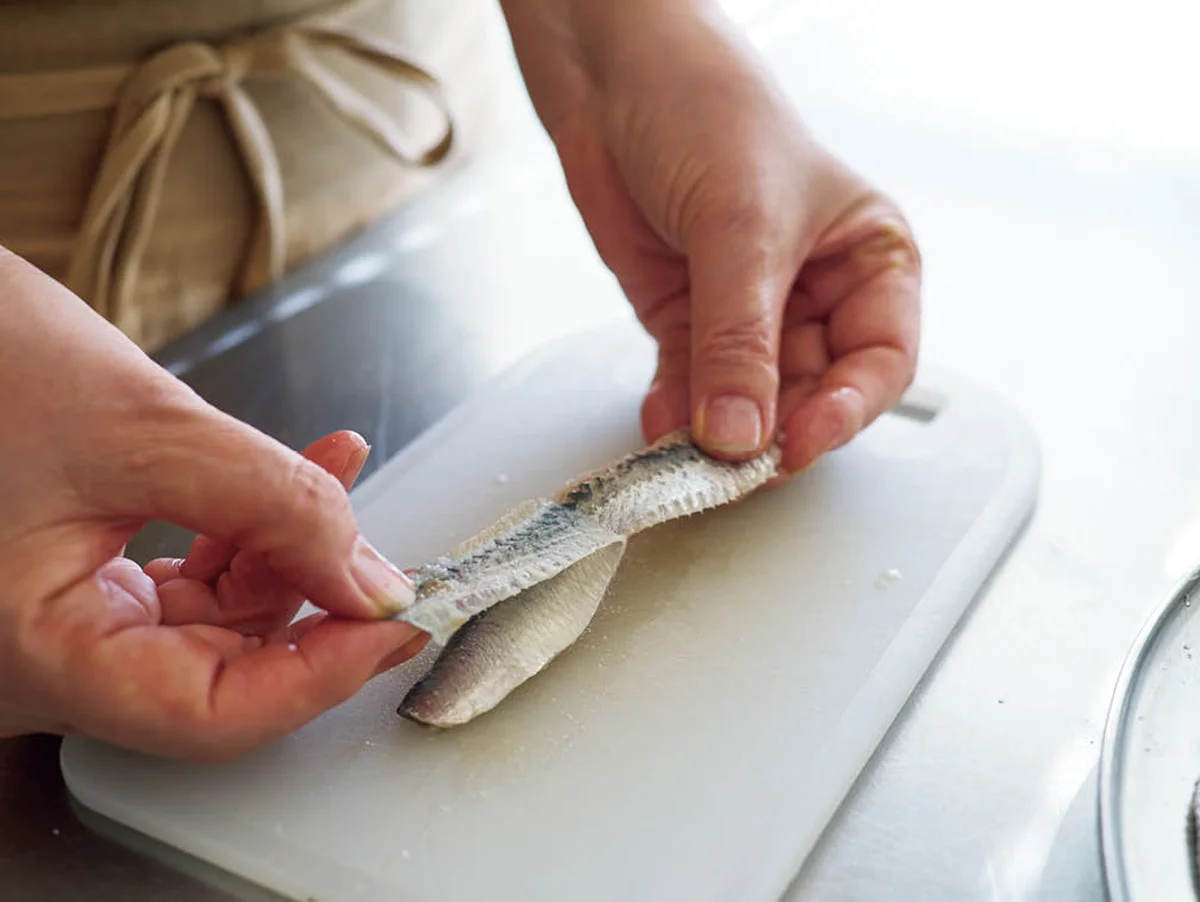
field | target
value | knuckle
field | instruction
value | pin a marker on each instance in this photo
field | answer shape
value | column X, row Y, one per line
column 170, row 399
column 738, row 343
column 316, row 493
column 667, row 317
column 895, row 242
column 241, row 567
column 746, row 220
column 728, row 206
column 749, row 213
column 674, row 344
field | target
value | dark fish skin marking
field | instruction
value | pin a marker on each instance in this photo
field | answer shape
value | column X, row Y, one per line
column 668, row 479
column 597, row 489
column 588, row 496
column 549, row 522
column 579, row 495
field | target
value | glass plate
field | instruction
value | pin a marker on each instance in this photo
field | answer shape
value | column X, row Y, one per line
column 1150, row 761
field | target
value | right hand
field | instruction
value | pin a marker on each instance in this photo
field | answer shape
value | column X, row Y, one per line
column 194, row 659
column 782, row 289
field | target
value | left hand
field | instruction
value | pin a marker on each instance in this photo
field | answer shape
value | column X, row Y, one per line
column 783, row 291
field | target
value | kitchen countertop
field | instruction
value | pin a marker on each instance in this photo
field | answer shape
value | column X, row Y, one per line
column 1047, row 158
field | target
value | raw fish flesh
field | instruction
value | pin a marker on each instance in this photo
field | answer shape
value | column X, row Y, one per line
column 507, row 602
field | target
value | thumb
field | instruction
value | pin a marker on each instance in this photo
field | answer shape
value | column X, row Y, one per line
column 206, row 471
column 739, row 286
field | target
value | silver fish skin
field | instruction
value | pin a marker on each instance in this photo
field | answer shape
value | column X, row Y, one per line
column 669, row 479
column 502, row 647
column 535, row 542
column 518, row 622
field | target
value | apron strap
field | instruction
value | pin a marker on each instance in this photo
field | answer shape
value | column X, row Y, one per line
column 153, row 101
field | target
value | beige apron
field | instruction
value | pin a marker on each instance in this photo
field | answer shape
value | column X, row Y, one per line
column 165, row 158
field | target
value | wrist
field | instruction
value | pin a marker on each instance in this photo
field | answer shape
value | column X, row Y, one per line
column 568, row 49
column 556, row 75
column 614, row 36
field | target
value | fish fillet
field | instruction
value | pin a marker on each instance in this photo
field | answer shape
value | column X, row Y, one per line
column 506, row 602
column 510, row 642
column 535, row 542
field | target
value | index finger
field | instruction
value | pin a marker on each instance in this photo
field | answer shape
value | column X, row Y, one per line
column 342, row 453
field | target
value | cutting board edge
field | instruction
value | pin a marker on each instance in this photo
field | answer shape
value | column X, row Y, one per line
column 433, row 438
column 931, row 627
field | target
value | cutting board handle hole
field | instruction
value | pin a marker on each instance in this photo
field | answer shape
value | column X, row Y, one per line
column 920, row 405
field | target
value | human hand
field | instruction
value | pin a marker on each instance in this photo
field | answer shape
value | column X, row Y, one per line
column 193, row 659
column 782, row 290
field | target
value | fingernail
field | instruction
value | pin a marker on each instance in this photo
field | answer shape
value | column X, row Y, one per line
column 388, row 590
column 731, row 424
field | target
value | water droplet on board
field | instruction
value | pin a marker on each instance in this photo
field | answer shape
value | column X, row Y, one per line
column 404, row 853
column 501, row 478
column 888, row 578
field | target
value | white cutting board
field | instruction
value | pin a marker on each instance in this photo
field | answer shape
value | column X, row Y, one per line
column 696, row 741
